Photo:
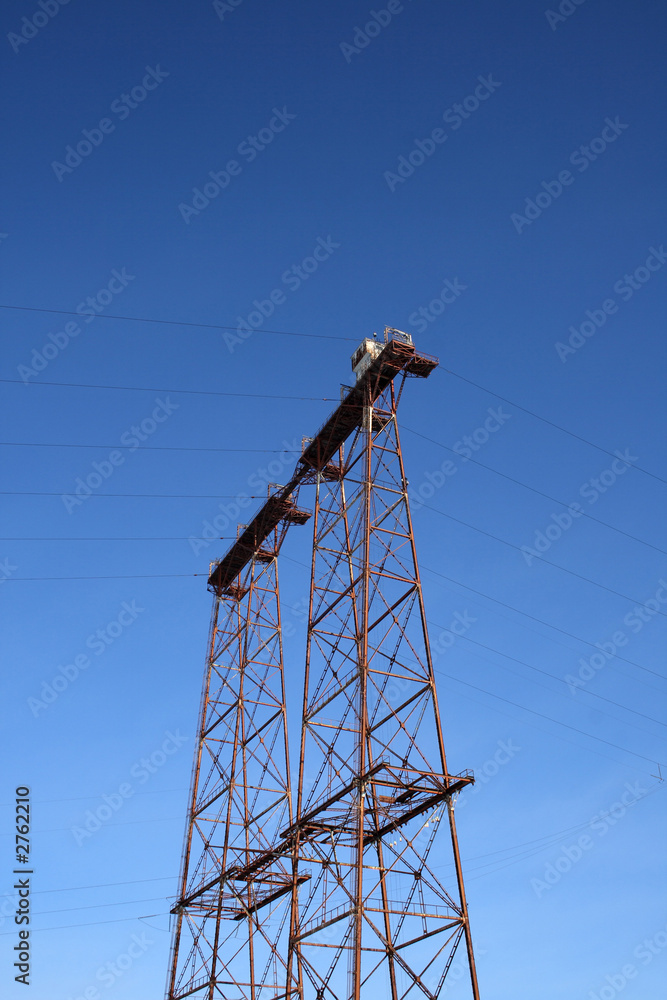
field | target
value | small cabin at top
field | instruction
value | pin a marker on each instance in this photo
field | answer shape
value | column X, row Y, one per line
column 369, row 349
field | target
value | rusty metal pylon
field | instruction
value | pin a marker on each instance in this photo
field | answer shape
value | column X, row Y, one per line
column 232, row 914
column 374, row 795
column 339, row 901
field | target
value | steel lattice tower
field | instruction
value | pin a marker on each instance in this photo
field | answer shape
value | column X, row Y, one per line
column 357, row 907
column 232, row 915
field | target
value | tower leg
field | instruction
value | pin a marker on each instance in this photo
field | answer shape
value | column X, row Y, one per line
column 232, row 913
column 377, row 917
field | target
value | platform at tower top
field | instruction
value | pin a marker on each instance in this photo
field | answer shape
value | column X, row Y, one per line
column 375, row 364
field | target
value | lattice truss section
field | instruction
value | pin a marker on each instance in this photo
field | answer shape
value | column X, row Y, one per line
column 375, row 920
column 230, row 938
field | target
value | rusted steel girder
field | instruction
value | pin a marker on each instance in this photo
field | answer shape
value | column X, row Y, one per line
column 396, row 356
column 232, row 913
column 376, row 918
column 339, row 899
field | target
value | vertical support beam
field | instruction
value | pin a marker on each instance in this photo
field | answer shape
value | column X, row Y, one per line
column 364, row 748
column 450, row 802
column 374, row 919
column 231, row 929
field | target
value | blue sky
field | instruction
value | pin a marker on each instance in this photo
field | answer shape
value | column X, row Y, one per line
column 488, row 177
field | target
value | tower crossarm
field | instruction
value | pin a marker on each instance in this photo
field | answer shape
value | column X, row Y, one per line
column 306, row 820
column 423, row 805
column 397, row 355
column 279, row 507
column 347, row 892
column 239, row 873
column 402, row 802
column 282, row 890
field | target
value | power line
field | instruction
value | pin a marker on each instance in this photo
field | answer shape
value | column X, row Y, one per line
column 128, row 538
column 551, row 423
column 493, row 867
column 155, row 576
column 534, row 712
column 555, row 677
column 541, row 715
column 549, row 638
column 88, row 923
column 541, row 621
column 510, row 402
column 292, row 333
column 175, row 322
column 553, row 735
column 187, row 392
column 148, row 447
column 98, row 906
column 564, row 569
column 544, row 842
column 194, row 496
column 185, row 538
column 132, row 576
column 106, row 885
column 532, row 489
column 151, row 496
column 548, row 840
column 221, row 496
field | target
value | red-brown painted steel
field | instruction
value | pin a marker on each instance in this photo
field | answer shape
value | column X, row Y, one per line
column 375, row 919
column 341, row 899
column 232, row 912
